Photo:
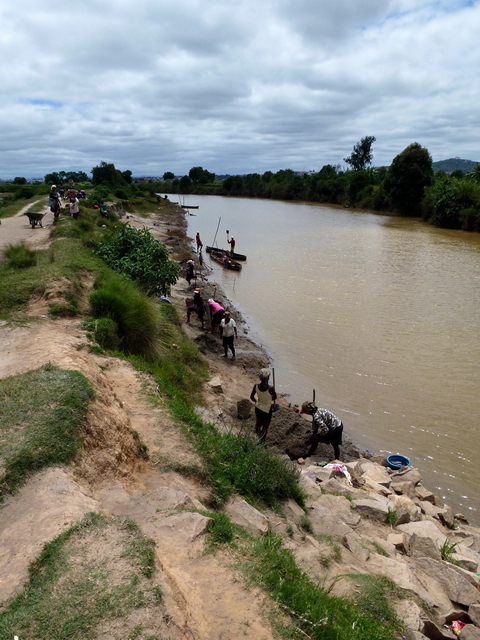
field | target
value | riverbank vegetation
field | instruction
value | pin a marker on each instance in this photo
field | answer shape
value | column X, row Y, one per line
column 231, row 462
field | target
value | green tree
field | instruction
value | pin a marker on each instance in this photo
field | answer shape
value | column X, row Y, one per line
column 410, row 172
column 168, row 175
column 185, row 184
column 20, row 181
column 199, row 174
column 361, row 155
column 106, row 172
column 127, row 176
column 52, row 178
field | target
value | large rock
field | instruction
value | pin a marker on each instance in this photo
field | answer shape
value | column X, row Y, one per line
column 339, row 507
column 404, row 487
column 324, row 521
column 353, row 543
column 373, row 509
column 464, row 561
column 424, row 494
column 457, row 588
column 246, row 516
column 424, row 528
column 474, row 613
column 405, row 504
column 469, row 632
column 374, row 472
column 423, row 547
column 409, row 474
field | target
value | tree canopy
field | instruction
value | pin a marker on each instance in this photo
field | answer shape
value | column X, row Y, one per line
column 361, row 156
column 410, row 172
column 107, row 173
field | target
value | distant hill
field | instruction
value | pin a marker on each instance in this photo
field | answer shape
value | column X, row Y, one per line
column 454, row 164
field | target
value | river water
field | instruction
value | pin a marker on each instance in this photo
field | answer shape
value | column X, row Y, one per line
column 379, row 314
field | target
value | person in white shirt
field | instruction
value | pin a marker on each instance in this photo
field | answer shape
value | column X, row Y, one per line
column 228, row 330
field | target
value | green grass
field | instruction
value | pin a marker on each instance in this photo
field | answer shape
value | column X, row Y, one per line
column 446, row 551
column 12, row 207
column 97, row 570
column 66, row 258
column 42, row 413
column 313, row 612
column 19, row 256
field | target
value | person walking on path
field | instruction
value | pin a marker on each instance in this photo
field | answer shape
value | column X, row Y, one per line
column 326, row 428
column 54, row 201
column 199, row 242
column 216, row 313
column 228, row 331
column 263, row 395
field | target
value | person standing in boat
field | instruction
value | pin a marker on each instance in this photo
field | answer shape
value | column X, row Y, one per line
column 263, row 395
column 231, row 242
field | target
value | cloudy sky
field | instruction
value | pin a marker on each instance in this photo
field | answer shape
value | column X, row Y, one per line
column 234, row 86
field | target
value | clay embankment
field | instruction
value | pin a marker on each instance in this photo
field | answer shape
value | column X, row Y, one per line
column 203, row 596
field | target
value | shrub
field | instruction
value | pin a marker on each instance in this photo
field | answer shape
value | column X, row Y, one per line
column 137, row 254
column 19, row 256
column 106, row 333
column 136, row 318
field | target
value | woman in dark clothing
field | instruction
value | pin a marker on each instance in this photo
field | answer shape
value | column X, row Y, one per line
column 54, row 201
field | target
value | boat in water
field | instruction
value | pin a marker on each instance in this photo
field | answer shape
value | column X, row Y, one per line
column 224, row 259
column 235, row 256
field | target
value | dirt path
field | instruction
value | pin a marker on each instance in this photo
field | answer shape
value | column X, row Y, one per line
column 17, row 228
column 203, row 597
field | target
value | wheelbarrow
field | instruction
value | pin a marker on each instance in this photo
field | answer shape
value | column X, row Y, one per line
column 35, row 218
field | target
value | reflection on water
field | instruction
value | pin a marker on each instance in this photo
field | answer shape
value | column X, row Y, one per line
column 380, row 315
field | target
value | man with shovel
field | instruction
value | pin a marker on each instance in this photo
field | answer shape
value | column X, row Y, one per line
column 263, row 395
column 326, row 428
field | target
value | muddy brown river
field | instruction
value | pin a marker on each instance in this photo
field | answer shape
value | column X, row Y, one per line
column 379, row 314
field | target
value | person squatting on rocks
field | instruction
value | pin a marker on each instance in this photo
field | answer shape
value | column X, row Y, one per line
column 326, row 428
column 264, row 396
column 228, row 330
column 216, row 313
column 198, row 306
column 190, row 271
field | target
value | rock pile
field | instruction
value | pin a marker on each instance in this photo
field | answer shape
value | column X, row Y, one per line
column 388, row 523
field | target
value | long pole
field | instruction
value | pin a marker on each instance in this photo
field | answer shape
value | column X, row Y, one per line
column 218, row 225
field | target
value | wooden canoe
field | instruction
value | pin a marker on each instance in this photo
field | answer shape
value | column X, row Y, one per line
column 235, row 256
column 218, row 257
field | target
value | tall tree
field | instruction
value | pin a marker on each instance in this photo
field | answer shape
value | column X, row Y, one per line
column 168, row 175
column 106, row 172
column 361, row 155
column 410, row 172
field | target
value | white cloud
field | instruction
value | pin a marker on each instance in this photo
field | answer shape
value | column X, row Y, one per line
column 234, row 87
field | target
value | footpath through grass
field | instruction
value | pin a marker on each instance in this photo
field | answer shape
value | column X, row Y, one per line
column 42, row 414
column 98, row 570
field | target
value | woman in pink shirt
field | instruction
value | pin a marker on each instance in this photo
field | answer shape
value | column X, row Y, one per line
column 216, row 313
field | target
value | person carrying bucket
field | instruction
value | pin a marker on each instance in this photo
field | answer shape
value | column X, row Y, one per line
column 264, row 396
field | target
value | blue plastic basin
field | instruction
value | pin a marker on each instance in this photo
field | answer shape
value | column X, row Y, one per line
column 397, row 461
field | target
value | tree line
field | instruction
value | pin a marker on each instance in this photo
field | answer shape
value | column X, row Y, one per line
column 408, row 187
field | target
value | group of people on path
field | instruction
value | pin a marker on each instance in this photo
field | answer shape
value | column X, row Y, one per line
column 55, row 199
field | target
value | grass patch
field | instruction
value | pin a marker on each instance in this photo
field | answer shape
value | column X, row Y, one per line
column 95, row 571
column 446, row 551
column 63, row 259
column 19, row 256
column 378, row 548
column 313, row 612
column 42, row 413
